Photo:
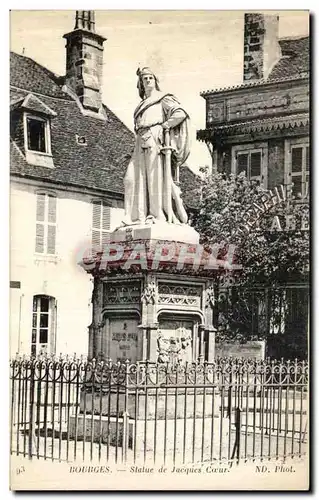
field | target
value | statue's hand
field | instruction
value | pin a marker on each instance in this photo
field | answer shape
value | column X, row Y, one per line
column 165, row 126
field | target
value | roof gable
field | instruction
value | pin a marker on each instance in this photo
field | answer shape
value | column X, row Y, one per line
column 98, row 164
column 32, row 103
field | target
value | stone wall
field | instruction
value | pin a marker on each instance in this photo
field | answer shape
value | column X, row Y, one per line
column 58, row 275
column 252, row 349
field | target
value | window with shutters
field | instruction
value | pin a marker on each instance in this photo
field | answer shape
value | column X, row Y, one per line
column 252, row 160
column 43, row 325
column 101, row 223
column 45, row 241
column 297, row 167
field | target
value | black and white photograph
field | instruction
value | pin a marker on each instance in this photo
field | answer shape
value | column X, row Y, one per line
column 159, row 250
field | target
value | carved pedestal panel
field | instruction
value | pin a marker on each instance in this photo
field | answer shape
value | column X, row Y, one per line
column 152, row 316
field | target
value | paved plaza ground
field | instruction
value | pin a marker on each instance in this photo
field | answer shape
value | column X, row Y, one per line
column 193, row 442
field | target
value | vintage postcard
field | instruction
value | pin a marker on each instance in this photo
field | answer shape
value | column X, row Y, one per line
column 159, row 228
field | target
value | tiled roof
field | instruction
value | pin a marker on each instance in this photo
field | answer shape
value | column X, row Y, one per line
column 266, row 124
column 254, row 83
column 100, row 164
column 29, row 75
column 293, row 64
column 294, row 61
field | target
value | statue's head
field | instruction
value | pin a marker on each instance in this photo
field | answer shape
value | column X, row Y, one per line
column 146, row 75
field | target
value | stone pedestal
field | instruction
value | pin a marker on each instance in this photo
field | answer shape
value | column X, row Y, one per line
column 147, row 310
column 152, row 302
column 161, row 231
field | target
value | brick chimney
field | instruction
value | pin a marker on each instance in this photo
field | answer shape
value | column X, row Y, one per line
column 261, row 46
column 84, row 60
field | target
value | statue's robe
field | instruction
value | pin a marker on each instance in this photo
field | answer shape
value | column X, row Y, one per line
column 145, row 186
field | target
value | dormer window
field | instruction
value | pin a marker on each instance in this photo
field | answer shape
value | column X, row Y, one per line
column 37, row 140
column 38, row 134
column 37, row 118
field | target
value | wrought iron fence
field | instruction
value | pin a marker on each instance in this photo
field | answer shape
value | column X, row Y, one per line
column 227, row 411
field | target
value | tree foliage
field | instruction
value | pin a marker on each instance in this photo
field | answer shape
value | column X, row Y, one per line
column 267, row 255
column 273, row 252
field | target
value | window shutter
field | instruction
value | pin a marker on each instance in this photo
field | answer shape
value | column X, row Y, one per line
column 96, row 215
column 39, row 238
column 96, row 224
column 296, row 160
column 297, row 185
column 52, row 209
column 255, row 164
column 106, row 222
column 40, row 207
column 307, row 158
column 242, row 163
column 46, row 224
column 101, row 224
column 105, row 237
column 307, row 186
column 96, row 238
column 51, row 239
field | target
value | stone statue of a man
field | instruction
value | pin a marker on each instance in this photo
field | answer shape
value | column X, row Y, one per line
column 146, row 190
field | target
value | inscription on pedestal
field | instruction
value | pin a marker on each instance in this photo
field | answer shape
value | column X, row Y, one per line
column 123, row 340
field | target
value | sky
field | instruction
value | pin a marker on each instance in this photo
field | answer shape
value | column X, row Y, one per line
column 190, row 51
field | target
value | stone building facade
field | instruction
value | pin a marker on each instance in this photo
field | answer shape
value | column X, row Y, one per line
column 261, row 127
column 68, row 156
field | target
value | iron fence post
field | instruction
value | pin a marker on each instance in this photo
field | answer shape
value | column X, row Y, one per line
column 31, row 409
column 236, row 448
column 126, row 413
